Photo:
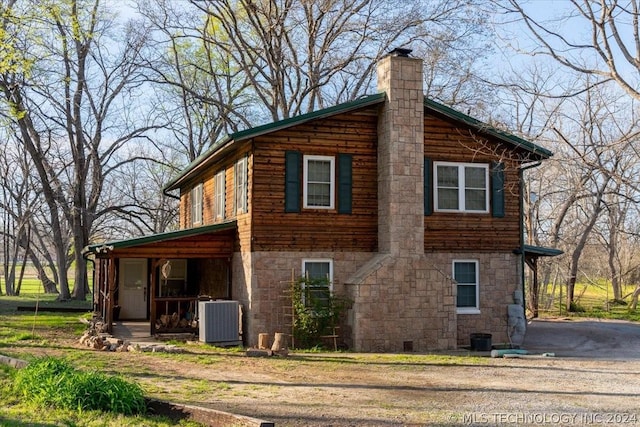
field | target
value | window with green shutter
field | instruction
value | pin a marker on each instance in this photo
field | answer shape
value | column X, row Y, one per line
column 293, row 161
column 345, row 183
column 497, row 189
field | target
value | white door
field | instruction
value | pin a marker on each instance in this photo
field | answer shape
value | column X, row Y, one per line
column 132, row 283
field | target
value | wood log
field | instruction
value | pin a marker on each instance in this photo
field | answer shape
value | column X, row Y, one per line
column 279, row 342
column 252, row 352
column 263, row 341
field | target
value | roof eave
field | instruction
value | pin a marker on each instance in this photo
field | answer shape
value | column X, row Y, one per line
column 217, row 149
column 539, row 251
column 201, row 161
column 159, row 237
column 536, row 150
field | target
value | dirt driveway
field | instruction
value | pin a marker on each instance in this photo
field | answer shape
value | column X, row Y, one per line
column 593, row 380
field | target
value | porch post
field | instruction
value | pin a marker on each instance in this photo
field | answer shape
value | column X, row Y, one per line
column 532, row 262
column 111, row 283
column 103, row 287
column 152, row 297
column 229, row 278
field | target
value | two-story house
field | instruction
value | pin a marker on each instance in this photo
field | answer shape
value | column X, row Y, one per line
column 410, row 208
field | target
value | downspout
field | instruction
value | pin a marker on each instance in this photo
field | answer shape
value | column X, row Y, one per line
column 522, row 256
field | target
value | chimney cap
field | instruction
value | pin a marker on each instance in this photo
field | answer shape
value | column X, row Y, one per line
column 401, row 51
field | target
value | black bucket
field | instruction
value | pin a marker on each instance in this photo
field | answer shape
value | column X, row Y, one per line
column 480, row 342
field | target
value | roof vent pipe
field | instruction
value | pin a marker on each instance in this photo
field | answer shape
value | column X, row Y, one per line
column 401, row 51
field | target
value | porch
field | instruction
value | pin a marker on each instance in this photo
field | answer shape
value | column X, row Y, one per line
column 161, row 278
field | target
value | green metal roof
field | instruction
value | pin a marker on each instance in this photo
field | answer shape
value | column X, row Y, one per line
column 160, row 237
column 209, row 156
column 539, row 251
column 272, row 127
column 542, row 152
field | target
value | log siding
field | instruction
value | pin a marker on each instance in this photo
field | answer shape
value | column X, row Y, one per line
column 274, row 229
column 267, row 227
column 471, row 232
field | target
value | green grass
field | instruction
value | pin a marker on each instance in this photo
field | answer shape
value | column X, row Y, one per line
column 54, row 382
column 41, row 395
column 594, row 300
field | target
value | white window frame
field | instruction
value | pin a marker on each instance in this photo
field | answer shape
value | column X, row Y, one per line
column 318, row 260
column 467, row 310
column 219, row 194
column 241, row 185
column 332, row 182
column 462, row 186
column 195, row 197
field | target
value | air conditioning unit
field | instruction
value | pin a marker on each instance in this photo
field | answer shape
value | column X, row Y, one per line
column 219, row 322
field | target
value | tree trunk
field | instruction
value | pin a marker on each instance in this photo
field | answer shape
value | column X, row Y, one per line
column 575, row 257
column 634, row 299
column 80, row 286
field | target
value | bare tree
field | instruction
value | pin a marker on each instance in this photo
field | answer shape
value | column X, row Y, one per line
column 607, row 50
column 591, row 174
column 227, row 65
column 66, row 85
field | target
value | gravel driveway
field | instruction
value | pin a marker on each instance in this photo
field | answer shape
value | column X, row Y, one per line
column 594, row 379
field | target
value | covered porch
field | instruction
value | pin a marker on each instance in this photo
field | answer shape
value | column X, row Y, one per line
column 162, row 277
column 531, row 256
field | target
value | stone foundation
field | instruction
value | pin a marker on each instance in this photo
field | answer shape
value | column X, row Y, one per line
column 399, row 304
column 261, row 282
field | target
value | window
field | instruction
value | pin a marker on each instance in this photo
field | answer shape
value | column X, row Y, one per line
column 319, row 182
column 465, row 273
column 319, row 275
column 196, row 205
column 462, row 187
column 241, row 186
column 219, row 195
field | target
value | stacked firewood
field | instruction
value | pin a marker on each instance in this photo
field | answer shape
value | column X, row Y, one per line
column 172, row 321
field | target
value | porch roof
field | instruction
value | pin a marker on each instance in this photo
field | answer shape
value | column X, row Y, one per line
column 539, row 251
column 209, row 241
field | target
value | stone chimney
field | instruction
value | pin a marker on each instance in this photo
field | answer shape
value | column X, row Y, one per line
column 401, row 155
column 401, row 300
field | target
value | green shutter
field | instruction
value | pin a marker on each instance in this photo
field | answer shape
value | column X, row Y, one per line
column 293, row 160
column 345, row 183
column 428, row 187
column 497, row 189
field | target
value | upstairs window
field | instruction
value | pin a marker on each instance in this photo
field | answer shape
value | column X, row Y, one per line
column 241, row 186
column 219, row 195
column 319, row 182
column 465, row 273
column 461, row 187
column 195, row 198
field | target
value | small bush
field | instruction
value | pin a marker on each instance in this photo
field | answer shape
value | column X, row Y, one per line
column 316, row 311
column 576, row 308
column 54, row 382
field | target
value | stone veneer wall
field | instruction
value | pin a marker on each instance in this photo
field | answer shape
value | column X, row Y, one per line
column 403, row 303
column 260, row 282
column 499, row 279
column 392, row 308
column 401, row 157
column 242, row 291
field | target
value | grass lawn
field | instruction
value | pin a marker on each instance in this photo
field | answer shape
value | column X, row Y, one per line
column 593, row 300
column 23, row 333
column 175, row 377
